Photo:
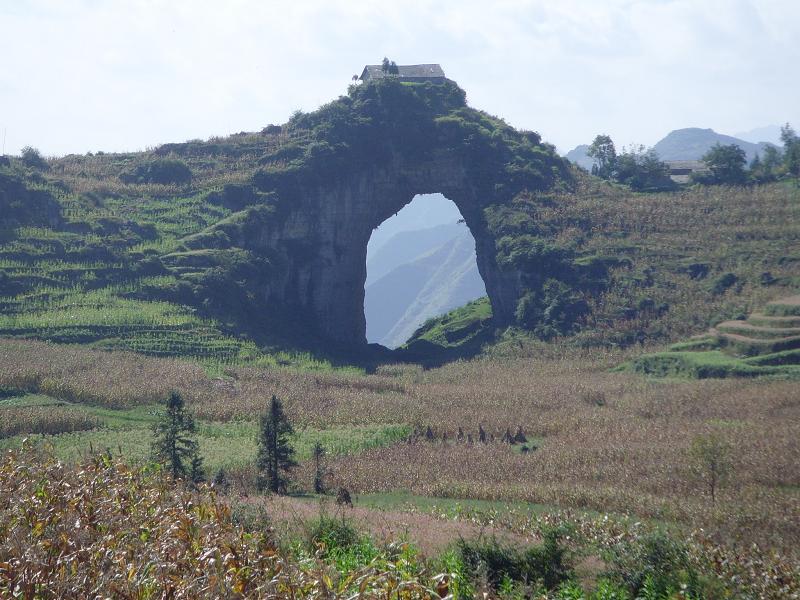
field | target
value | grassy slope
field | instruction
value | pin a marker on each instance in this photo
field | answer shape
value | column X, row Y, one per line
column 763, row 345
column 101, row 273
column 116, row 261
column 678, row 261
column 128, row 433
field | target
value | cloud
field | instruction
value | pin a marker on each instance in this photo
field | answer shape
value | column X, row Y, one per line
column 90, row 75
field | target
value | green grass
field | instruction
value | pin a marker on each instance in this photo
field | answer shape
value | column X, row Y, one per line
column 771, row 350
column 776, row 309
column 443, row 506
column 456, row 326
column 702, row 365
column 223, row 445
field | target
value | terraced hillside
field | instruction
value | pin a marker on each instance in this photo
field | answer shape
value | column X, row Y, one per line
column 92, row 252
column 765, row 343
column 149, row 251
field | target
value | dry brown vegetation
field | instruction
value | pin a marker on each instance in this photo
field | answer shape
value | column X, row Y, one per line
column 50, row 420
column 743, row 231
column 104, row 530
column 606, row 441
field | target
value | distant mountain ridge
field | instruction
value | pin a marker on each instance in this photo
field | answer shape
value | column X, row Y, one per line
column 407, row 246
column 442, row 276
column 579, row 156
column 690, row 143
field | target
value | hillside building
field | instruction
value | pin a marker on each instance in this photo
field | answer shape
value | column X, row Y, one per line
column 416, row 73
column 681, row 171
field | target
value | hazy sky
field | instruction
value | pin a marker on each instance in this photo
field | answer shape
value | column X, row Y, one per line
column 87, row 75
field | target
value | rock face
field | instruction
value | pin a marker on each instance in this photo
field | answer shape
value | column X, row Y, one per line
column 321, row 241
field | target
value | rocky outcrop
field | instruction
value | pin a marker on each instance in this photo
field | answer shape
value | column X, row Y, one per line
column 320, row 242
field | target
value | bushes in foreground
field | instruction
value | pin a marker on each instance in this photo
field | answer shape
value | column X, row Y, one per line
column 103, row 529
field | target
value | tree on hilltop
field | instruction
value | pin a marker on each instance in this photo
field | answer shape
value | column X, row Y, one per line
column 389, row 67
column 605, row 155
column 642, row 170
column 275, row 454
column 32, row 158
column 726, row 164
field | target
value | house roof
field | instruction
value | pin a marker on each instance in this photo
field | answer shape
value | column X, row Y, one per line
column 695, row 165
column 416, row 71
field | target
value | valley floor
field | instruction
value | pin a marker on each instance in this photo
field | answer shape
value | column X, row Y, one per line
column 434, row 442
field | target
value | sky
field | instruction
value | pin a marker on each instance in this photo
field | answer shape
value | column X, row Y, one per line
column 118, row 75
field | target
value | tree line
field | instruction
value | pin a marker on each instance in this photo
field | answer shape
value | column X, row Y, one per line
column 642, row 170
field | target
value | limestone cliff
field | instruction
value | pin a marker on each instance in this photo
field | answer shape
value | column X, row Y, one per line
column 349, row 166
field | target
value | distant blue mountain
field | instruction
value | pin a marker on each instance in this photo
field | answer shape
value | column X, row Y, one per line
column 578, row 156
column 436, row 281
column 425, row 210
column 692, row 143
column 407, row 246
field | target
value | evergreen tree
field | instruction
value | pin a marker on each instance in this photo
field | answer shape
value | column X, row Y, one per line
column 275, row 455
column 771, row 163
column 791, row 150
column 174, row 441
column 756, row 168
column 319, row 471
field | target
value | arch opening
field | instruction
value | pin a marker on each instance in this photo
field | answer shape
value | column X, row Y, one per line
column 420, row 263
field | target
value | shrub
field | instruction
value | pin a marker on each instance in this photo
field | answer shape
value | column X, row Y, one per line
column 545, row 563
column 654, row 566
column 723, row 283
column 165, row 171
column 553, row 310
column 331, row 533
column 32, row 158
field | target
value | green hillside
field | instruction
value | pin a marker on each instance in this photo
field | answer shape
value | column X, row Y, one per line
column 91, row 255
column 765, row 343
column 150, row 251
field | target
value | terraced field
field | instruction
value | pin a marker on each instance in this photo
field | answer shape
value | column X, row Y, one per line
column 88, row 259
column 765, row 343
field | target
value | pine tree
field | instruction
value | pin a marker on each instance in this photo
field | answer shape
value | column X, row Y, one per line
column 275, row 455
column 174, row 441
column 319, row 471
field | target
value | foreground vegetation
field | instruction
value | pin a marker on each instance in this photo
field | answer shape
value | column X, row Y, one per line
column 604, row 444
column 103, row 528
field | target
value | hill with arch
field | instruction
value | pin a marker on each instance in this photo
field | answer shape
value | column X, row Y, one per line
column 246, row 247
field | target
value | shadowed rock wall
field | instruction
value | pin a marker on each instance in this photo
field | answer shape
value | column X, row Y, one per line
column 322, row 241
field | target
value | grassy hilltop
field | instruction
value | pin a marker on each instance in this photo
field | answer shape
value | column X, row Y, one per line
column 538, row 464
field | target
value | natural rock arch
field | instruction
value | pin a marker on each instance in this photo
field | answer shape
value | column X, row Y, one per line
column 344, row 169
column 324, row 242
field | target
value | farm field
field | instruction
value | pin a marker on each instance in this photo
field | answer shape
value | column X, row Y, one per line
column 602, row 446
